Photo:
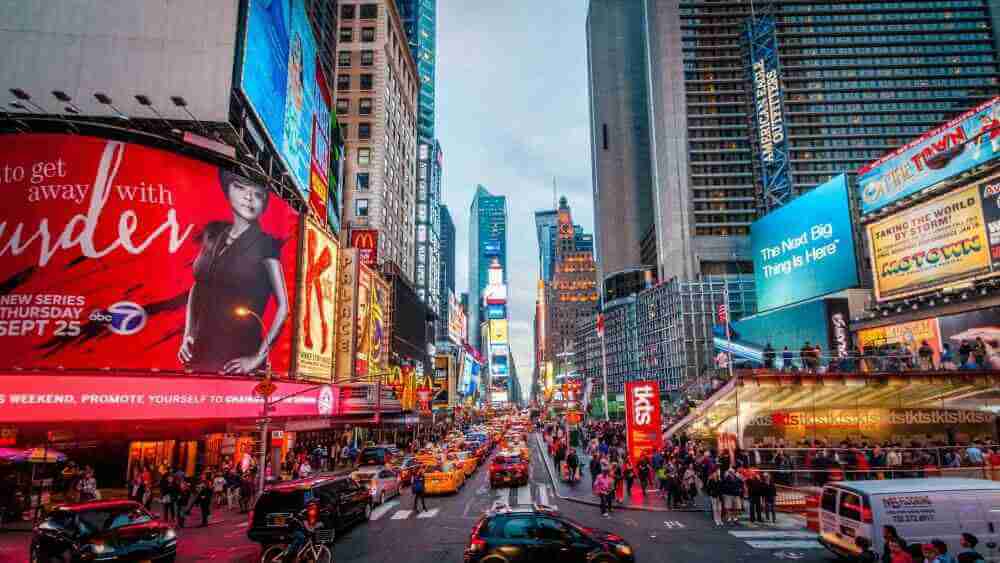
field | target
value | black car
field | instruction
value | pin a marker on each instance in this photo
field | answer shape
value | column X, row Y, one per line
column 375, row 455
column 110, row 530
column 537, row 534
column 341, row 501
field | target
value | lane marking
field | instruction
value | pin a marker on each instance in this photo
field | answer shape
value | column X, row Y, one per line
column 543, row 494
column 671, row 524
column 383, row 510
column 402, row 515
column 524, row 495
column 429, row 513
column 784, row 544
column 772, row 534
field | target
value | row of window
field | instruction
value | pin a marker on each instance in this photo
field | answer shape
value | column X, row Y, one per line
column 345, row 58
column 365, row 11
column 884, row 60
column 872, row 84
column 365, row 82
column 721, row 231
column 364, row 106
column 841, row 6
column 347, row 35
column 926, row 94
column 863, row 107
column 884, row 27
column 914, row 38
column 882, row 16
column 980, row 70
column 845, row 118
column 881, row 50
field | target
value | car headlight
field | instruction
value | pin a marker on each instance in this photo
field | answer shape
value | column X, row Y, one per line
column 624, row 549
column 170, row 534
column 99, row 548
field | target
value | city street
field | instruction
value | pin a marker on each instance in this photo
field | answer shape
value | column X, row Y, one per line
column 397, row 534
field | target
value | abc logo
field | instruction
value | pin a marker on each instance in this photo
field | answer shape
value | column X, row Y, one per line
column 126, row 318
column 324, row 404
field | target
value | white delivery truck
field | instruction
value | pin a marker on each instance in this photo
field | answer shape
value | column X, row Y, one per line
column 920, row 509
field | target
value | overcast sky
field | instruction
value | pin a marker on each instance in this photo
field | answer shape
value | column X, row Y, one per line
column 511, row 115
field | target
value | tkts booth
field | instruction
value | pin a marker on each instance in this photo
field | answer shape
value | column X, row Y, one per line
column 143, row 294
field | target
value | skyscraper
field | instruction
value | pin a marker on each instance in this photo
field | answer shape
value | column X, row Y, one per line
column 545, row 224
column 447, row 279
column 377, row 107
column 428, row 268
column 420, row 21
column 487, row 242
column 619, row 129
column 851, row 82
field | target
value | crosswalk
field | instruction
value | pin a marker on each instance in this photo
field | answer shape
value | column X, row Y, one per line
column 778, row 539
column 532, row 493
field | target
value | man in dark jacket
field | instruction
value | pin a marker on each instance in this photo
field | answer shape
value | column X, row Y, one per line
column 204, row 501
column 595, row 468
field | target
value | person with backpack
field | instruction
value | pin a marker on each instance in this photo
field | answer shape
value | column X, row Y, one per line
column 418, row 491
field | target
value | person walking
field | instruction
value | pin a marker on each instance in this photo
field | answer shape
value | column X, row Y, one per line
column 168, row 498
column 573, row 464
column 204, row 501
column 604, row 489
column 87, row 486
column 755, row 496
column 418, row 492
column 732, row 495
column 628, row 472
column 643, row 470
column 246, row 492
column 713, row 489
column 183, row 501
column 769, row 494
column 595, row 468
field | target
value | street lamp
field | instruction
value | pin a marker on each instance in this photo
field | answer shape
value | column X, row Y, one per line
column 266, row 388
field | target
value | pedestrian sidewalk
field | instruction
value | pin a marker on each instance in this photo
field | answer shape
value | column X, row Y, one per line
column 580, row 492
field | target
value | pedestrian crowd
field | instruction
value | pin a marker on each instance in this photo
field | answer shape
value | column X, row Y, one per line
column 897, row 550
column 975, row 354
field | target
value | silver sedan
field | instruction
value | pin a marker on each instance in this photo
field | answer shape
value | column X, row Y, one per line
column 382, row 483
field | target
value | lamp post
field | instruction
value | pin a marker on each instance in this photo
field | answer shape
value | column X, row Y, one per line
column 265, row 389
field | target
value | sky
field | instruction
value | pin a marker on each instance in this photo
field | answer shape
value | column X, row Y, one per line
column 512, row 114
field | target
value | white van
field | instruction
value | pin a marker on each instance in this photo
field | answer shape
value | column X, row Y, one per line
column 920, row 509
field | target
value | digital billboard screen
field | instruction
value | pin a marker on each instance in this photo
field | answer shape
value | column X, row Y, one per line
column 805, row 249
column 496, row 311
column 110, row 247
column 962, row 143
column 279, row 78
column 948, row 239
column 317, row 297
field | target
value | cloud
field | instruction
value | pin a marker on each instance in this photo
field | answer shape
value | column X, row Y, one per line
column 512, row 113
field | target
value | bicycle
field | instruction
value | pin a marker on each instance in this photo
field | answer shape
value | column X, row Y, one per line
column 315, row 549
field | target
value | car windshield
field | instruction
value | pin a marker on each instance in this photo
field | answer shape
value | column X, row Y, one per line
column 372, row 456
column 95, row 521
column 363, row 476
column 508, row 459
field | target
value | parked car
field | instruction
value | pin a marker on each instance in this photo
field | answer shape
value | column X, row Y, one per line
column 342, row 502
column 102, row 530
column 375, row 455
column 382, row 483
column 532, row 534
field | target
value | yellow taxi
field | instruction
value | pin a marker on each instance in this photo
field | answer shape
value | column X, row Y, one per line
column 442, row 479
column 465, row 460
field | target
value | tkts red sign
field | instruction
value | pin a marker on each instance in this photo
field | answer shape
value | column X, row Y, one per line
column 366, row 241
column 642, row 409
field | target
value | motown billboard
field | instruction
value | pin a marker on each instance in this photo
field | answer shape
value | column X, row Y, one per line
column 120, row 256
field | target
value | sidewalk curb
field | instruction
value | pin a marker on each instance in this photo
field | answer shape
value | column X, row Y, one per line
column 555, row 487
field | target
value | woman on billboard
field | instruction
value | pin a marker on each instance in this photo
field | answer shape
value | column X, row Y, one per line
column 236, row 273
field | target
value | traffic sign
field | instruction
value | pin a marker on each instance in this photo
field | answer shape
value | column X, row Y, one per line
column 265, row 388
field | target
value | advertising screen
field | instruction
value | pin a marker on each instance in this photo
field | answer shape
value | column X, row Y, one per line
column 279, row 80
column 951, row 149
column 642, row 418
column 938, row 332
column 499, row 366
column 909, row 335
column 498, row 332
column 456, row 320
column 363, row 335
column 495, row 311
column 317, row 295
column 366, row 241
column 931, row 245
column 806, row 248
column 108, row 247
column 72, row 398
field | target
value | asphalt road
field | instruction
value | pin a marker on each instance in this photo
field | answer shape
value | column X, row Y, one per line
column 397, row 534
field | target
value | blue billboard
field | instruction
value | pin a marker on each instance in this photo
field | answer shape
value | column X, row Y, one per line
column 492, row 248
column 280, row 78
column 967, row 141
column 771, row 139
column 496, row 311
column 805, row 249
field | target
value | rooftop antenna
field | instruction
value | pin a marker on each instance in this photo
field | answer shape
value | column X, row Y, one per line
column 554, row 206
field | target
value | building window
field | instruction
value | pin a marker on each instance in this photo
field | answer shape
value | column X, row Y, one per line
column 367, row 58
column 366, row 81
column 364, row 156
column 369, row 11
column 364, row 130
column 362, row 181
column 347, row 12
column 346, row 35
column 343, row 107
column 367, row 34
column 343, row 82
column 361, row 207
column 344, row 58
column 365, row 106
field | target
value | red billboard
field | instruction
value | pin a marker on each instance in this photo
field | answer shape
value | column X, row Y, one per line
column 121, row 256
column 82, row 398
column 366, row 241
column 643, row 430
